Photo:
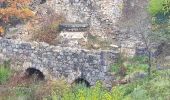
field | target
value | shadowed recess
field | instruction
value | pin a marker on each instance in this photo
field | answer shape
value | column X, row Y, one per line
column 43, row 1
column 82, row 81
column 33, row 72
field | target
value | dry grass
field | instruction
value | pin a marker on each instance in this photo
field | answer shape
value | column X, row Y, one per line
column 21, row 86
column 45, row 90
column 49, row 30
column 98, row 41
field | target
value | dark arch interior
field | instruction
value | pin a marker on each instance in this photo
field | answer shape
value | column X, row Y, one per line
column 30, row 72
column 82, row 81
column 43, row 1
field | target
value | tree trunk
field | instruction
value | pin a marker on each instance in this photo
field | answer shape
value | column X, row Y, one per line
column 149, row 63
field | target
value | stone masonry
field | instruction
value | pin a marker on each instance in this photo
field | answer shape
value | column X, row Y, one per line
column 120, row 21
column 58, row 62
column 101, row 15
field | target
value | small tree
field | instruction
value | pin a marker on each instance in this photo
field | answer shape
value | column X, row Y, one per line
column 147, row 43
column 159, row 32
column 160, row 28
column 14, row 9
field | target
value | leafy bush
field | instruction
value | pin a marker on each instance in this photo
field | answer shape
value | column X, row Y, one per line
column 155, row 87
column 152, row 88
column 166, row 6
column 160, row 11
column 80, row 92
column 116, row 67
column 147, row 88
column 139, row 94
column 155, row 6
column 139, row 59
column 130, row 65
column 159, row 85
column 137, row 63
column 5, row 72
column 159, row 6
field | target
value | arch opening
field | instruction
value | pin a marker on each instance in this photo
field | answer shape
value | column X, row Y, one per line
column 82, row 81
column 43, row 1
column 34, row 73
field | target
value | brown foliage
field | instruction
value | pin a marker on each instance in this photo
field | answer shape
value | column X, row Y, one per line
column 1, row 31
column 15, row 8
column 49, row 28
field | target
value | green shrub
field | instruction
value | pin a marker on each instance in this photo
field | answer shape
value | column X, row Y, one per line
column 139, row 94
column 160, row 10
column 166, row 6
column 80, row 92
column 136, row 68
column 157, row 87
column 135, row 64
column 156, row 6
column 116, row 67
column 117, row 93
column 5, row 72
column 139, row 59
column 159, row 6
column 20, row 93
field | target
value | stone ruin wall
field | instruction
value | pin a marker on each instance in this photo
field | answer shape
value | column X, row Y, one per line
column 58, row 62
column 123, row 18
column 101, row 15
column 120, row 21
column 134, row 20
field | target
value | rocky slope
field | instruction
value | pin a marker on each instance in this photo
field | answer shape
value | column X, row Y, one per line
column 120, row 21
column 100, row 14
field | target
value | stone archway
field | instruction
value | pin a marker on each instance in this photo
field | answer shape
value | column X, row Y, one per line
column 30, row 72
column 42, row 1
column 82, row 81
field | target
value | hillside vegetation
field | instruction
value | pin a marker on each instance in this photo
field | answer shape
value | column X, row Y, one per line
column 136, row 78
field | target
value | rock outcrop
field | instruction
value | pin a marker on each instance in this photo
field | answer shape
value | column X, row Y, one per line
column 101, row 15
